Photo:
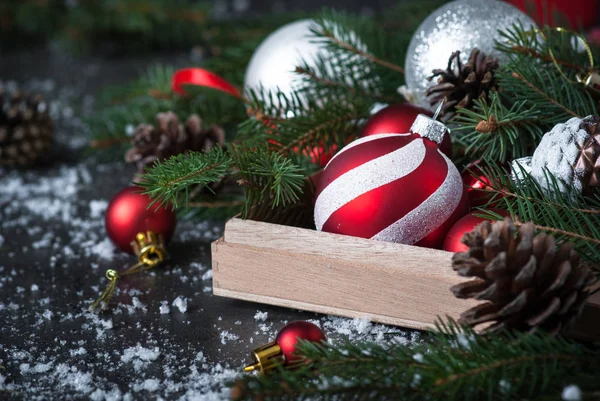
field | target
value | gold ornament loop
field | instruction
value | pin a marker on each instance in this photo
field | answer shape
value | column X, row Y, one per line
column 112, row 274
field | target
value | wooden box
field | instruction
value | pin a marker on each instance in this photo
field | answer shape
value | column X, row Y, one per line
column 334, row 274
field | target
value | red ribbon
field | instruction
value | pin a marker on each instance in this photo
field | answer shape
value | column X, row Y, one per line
column 201, row 77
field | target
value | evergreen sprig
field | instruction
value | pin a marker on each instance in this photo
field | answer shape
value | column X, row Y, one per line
column 452, row 364
column 266, row 177
column 568, row 217
column 495, row 130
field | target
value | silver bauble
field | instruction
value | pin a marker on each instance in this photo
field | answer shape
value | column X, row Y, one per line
column 459, row 25
column 273, row 64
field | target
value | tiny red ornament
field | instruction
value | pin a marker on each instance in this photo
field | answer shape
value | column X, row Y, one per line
column 288, row 337
column 128, row 215
column 453, row 243
column 475, row 181
column 392, row 187
column 399, row 118
column 281, row 352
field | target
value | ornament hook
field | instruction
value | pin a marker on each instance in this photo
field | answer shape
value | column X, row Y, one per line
column 150, row 250
column 439, row 109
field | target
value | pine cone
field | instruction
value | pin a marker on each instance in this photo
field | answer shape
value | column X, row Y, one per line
column 571, row 153
column 26, row 129
column 528, row 281
column 170, row 138
column 461, row 85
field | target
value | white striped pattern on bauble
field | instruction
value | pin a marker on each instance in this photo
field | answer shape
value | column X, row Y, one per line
column 387, row 159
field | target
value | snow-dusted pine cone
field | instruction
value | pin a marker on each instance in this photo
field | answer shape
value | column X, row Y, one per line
column 527, row 280
column 26, row 129
column 571, row 153
column 461, row 84
column 169, row 138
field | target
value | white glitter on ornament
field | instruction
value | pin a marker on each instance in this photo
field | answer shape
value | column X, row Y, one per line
column 459, row 25
column 360, row 141
column 430, row 214
column 368, row 176
column 557, row 154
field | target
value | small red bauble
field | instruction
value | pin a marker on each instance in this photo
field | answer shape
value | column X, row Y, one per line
column 391, row 187
column 128, row 214
column 475, row 181
column 288, row 337
column 398, row 118
column 453, row 243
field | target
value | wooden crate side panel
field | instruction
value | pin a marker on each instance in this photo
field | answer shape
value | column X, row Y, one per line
column 398, row 296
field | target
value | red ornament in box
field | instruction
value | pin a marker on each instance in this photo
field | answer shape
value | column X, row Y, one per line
column 476, row 181
column 282, row 351
column 398, row 118
column 128, row 215
column 392, row 187
column 453, row 243
column 579, row 13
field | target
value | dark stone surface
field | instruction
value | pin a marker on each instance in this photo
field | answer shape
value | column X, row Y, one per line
column 52, row 236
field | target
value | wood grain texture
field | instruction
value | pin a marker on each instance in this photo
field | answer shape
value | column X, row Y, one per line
column 334, row 274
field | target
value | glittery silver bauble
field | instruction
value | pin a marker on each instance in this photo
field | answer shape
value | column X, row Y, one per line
column 273, row 64
column 459, row 25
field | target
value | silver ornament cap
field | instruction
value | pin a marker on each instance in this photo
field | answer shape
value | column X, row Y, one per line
column 430, row 128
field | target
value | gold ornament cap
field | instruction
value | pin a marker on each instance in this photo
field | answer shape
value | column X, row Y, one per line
column 266, row 357
column 149, row 247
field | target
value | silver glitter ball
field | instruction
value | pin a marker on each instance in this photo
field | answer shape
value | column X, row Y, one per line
column 460, row 25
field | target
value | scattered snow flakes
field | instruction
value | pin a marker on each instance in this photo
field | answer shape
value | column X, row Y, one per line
column 226, row 336
column 164, row 308
column 419, row 357
column 208, row 275
column 103, row 249
column 139, row 352
column 97, row 207
column 261, row 316
column 150, row 385
column 47, row 314
column 571, row 393
column 78, row 352
column 34, row 288
column 181, row 304
column 37, row 368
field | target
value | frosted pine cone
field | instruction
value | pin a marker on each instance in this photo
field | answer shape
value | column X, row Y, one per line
column 571, row 153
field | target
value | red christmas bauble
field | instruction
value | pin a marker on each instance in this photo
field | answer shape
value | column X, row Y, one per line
column 453, row 243
column 579, row 13
column 399, row 118
column 128, row 214
column 475, row 181
column 391, row 187
column 288, row 337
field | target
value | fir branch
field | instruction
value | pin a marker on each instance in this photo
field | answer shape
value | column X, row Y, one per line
column 453, row 364
column 171, row 180
column 362, row 53
column 496, row 131
column 568, row 217
column 545, row 95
